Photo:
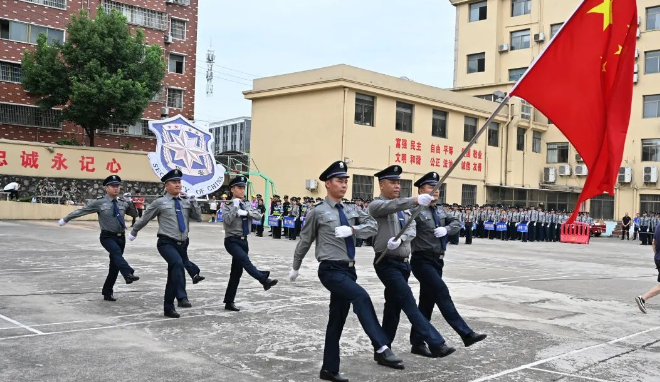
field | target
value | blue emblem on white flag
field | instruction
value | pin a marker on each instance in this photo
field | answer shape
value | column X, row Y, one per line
column 189, row 148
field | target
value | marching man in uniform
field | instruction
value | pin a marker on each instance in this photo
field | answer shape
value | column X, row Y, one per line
column 237, row 216
column 174, row 213
column 427, row 262
column 111, row 211
column 334, row 232
column 391, row 214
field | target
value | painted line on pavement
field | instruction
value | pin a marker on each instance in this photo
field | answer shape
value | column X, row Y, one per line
column 21, row 325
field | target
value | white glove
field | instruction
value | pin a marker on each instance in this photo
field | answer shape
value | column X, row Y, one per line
column 242, row 213
column 343, row 231
column 131, row 237
column 61, row 222
column 293, row 275
column 440, row 232
column 237, row 202
column 424, row 199
column 393, row 244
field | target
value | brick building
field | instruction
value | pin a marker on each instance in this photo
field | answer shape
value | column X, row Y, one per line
column 169, row 23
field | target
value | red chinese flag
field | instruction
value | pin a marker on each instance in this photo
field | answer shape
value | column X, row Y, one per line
column 583, row 82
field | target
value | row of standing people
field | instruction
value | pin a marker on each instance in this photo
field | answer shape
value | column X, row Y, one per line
column 643, row 226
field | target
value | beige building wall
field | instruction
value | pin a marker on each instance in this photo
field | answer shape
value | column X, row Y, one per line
column 486, row 35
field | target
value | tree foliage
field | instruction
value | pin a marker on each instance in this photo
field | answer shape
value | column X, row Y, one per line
column 103, row 74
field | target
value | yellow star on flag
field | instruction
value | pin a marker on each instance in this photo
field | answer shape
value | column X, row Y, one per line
column 605, row 8
column 619, row 51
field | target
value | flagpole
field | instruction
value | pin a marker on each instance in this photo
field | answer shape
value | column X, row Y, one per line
column 466, row 150
column 546, row 48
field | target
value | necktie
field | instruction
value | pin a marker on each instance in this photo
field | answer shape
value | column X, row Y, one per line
column 436, row 220
column 246, row 224
column 115, row 210
column 350, row 245
column 179, row 215
column 402, row 220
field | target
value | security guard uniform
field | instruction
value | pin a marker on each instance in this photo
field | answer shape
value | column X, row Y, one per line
column 237, row 216
column 111, row 212
column 174, row 213
column 394, row 269
column 427, row 263
column 336, row 255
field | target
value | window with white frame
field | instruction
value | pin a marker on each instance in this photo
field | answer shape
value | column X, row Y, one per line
column 520, row 39
column 140, row 128
column 516, row 74
column 651, row 150
column 139, row 16
column 652, row 106
column 28, row 33
column 177, row 63
column 478, row 11
column 521, row 7
column 557, row 152
column 652, row 62
column 476, row 63
column 178, row 29
column 180, row 2
column 10, row 72
column 175, row 98
column 554, row 28
column 159, row 96
column 34, row 116
column 61, row 4
column 652, row 18
column 364, row 109
column 525, row 110
column 404, row 117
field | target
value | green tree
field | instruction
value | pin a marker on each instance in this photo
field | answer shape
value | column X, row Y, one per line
column 103, row 74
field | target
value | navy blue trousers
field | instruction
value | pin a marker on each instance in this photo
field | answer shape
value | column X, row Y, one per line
column 238, row 249
column 340, row 280
column 176, row 255
column 398, row 296
column 115, row 246
column 434, row 291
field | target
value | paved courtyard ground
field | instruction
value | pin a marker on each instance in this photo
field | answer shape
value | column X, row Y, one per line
column 553, row 312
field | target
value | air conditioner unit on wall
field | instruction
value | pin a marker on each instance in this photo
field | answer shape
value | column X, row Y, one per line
column 564, row 170
column 581, row 170
column 650, row 174
column 635, row 78
column 549, row 174
column 578, row 158
column 311, row 184
column 625, row 174
column 539, row 37
column 503, row 48
column 167, row 38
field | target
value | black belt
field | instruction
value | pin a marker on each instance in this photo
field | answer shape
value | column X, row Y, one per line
column 110, row 233
column 177, row 241
column 349, row 264
column 429, row 255
column 395, row 258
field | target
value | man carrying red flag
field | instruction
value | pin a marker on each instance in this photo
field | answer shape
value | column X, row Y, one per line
column 583, row 82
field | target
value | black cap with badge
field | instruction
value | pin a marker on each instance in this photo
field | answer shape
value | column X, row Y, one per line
column 430, row 178
column 240, row 181
column 390, row 173
column 175, row 174
column 112, row 180
column 338, row 169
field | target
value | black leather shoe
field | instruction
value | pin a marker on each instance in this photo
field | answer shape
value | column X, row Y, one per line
column 172, row 314
column 130, row 278
column 387, row 358
column 184, row 303
column 109, row 297
column 328, row 376
column 232, row 307
column 422, row 350
column 473, row 338
column 442, row 351
column 197, row 278
column 270, row 283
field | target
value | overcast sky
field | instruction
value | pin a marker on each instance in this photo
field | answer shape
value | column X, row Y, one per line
column 259, row 38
